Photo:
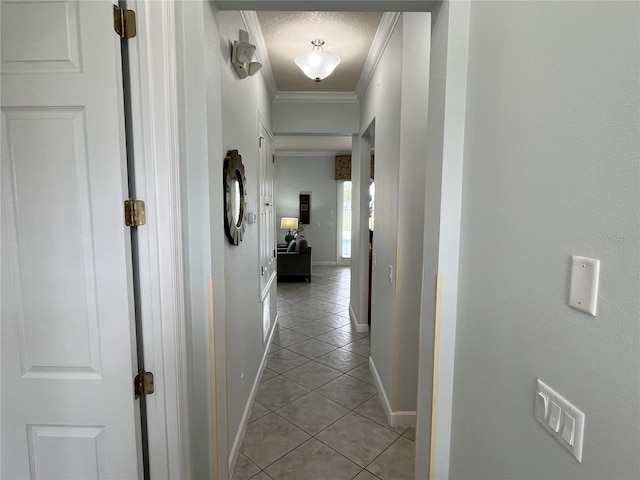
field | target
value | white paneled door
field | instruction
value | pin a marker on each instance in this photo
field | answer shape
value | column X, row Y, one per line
column 267, row 218
column 67, row 406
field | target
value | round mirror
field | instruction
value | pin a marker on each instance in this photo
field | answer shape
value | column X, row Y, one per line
column 234, row 194
column 238, row 214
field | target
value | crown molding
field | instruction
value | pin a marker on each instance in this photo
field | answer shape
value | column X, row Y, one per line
column 250, row 20
column 310, row 153
column 380, row 42
column 315, row 97
column 330, row 5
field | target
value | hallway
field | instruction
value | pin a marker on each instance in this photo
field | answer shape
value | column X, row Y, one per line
column 317, row 414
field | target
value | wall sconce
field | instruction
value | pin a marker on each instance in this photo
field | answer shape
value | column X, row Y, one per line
column 241, row 55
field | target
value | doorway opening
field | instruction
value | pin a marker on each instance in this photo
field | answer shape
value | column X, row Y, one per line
column 370, row 136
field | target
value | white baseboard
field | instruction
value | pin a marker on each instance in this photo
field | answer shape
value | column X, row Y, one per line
column 359, row 327
column 395, row 419
column 324, row 264
column 235, row 450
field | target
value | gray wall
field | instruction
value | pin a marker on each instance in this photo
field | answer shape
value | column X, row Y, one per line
column 243, row 102
column 219, row 112
column 360, row 176
column 551, row 170
column 396, row 99
column 312, row 117
column 315, row 174
column 445, row 140
column 381, row 102
column 411, row 193
column 199, row 96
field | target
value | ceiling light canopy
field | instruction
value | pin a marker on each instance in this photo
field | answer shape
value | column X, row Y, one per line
column 317, row 64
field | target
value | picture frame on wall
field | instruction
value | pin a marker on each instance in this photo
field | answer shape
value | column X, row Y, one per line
column 305, row 208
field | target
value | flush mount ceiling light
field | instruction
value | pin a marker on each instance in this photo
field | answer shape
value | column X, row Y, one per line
column 317, row 64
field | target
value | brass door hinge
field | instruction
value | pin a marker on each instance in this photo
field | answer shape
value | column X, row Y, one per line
column 124, row 22
column 134, row 213
column 143, row 384
column 273, row 158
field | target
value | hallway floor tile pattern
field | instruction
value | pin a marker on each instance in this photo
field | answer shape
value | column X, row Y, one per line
column 317, row 415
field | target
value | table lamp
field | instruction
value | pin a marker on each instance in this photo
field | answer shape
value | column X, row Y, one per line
column 291, row 224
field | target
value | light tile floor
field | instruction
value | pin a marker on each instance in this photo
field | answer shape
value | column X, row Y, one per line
column 317, row 415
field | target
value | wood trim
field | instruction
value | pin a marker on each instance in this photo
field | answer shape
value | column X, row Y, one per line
column 315, row 97
column 235, row 449
column 436, row 368
column 378, row 46
column 212, row 379
column 252, row 24
column 359, row 327
column 155, row 129
column 394, row 418
column 396, row 328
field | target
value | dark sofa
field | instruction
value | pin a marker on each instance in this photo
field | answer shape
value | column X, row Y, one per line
column 295, row 261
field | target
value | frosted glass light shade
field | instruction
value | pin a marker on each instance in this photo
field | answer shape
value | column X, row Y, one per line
column 288, row 223
column 317, row 64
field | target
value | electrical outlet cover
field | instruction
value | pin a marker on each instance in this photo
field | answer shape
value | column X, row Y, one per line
column 585, row 276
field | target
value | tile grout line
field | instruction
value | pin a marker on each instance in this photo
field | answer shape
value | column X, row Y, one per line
column 296, row 301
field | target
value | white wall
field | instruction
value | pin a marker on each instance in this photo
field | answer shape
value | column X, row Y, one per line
column 551, row 170
column 315, row 174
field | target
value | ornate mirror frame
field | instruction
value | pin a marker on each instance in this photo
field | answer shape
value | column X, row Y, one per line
column 234, row 196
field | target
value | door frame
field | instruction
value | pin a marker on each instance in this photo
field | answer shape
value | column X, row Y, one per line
column 155, row 131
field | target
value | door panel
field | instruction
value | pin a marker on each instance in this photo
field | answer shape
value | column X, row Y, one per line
column 49, row 443
column 43, row 47
column 46, row 148
column 67, row 408
column 266, row 219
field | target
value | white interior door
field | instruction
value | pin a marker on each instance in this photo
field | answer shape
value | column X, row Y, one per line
column 267, row 218
column 67, row 407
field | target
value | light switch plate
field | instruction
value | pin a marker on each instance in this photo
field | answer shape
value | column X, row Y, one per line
column 567, row 425
column 585, row 276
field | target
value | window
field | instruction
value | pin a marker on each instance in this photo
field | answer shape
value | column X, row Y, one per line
column 372, row 203
column 344, row 220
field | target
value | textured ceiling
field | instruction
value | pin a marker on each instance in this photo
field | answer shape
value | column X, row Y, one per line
column 347, row 34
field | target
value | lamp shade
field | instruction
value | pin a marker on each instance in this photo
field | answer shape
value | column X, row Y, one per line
column 288, row 223
column 317, row 64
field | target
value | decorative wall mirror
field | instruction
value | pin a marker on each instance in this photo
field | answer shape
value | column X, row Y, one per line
column 234, row 196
